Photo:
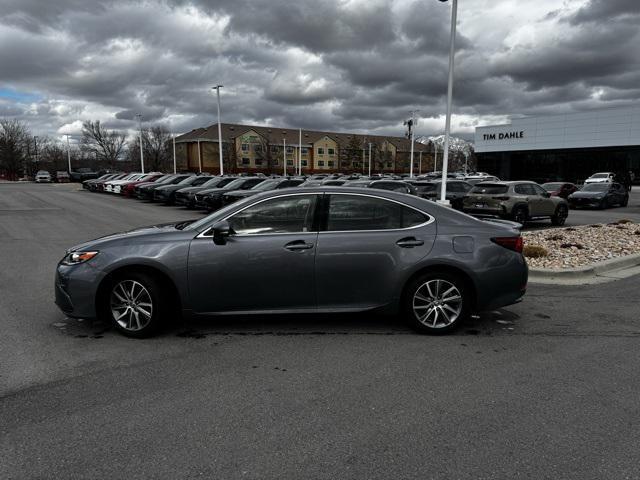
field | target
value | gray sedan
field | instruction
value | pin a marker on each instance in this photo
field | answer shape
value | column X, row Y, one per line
column 325, row 249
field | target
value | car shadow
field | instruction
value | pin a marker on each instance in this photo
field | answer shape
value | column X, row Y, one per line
column 485, row 324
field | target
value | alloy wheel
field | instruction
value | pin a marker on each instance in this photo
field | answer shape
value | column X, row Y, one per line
column 131, row 305
column 437, row 303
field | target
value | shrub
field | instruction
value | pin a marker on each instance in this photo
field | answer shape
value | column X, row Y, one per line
column 535, row 251
column 623, row 221
column 596, row 225
column 570, row 229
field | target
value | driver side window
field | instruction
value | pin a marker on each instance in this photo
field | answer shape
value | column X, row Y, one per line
column 291, row 214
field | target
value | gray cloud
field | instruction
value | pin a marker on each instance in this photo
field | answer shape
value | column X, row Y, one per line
column 331, row 64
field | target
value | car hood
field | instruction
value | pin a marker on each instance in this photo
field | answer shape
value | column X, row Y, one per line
column 596, row 180
column 587, row 194
column 128, row 235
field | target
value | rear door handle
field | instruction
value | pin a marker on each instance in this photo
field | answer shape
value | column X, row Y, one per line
column 298, row 245
column 409, row 242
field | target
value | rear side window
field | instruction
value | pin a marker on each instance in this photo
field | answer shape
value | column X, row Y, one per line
column 490, row 189
column 354, row 212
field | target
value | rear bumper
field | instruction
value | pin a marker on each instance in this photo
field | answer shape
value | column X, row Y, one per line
column 498, row 211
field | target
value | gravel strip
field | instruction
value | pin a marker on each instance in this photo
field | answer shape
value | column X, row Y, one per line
column 579, row 246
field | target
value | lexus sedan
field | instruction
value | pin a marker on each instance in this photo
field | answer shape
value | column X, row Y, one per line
column 167, row 193
column 326, row 249
column 211, row 198
column 187, row 196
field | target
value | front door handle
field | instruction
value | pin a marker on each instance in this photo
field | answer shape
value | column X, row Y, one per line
column 409, row 242
column 298, row 245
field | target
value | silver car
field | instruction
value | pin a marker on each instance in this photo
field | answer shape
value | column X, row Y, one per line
column 323, row 249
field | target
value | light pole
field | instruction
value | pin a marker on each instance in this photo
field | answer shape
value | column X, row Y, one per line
column 68, row 155
column 411, row 123
column 369, row 158
column 174, row 153
column 420, row 164
column 435, row 158
column 199, row 158
column 447, row 127
column 35, row 142
column 217, row 89
column 139, row 115
column 284, row 155
column 300, row 152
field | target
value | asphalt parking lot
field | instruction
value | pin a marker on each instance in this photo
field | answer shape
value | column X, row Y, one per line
column 547, row 388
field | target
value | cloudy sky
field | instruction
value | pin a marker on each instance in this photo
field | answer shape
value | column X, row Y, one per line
column 344, row 65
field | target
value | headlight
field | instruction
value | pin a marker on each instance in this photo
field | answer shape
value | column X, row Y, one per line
column 75, row 258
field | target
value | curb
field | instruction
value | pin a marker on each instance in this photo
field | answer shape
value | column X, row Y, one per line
column 586, row 272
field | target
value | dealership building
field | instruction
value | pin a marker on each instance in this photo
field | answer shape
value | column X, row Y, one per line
column 568, row 147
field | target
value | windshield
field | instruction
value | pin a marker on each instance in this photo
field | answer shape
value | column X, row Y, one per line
column 425, row 187
column 189, row 180
column 235, row 185
column 216, row 181
column 596, row 187
column 552, row 187
column 600, row 175
column 266, row 185
column 489, row 189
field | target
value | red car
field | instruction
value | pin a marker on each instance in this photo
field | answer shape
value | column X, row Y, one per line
column 127, row 189
column 560, row 189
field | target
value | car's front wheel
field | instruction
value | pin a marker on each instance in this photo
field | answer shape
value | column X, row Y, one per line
column 520, row 215
column 558, row 219
column 436, row 303
column 136, row 304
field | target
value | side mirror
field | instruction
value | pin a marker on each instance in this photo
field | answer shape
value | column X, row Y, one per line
column 221, row 231
column 546, row 195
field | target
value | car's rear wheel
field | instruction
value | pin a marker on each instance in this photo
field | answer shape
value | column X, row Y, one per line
column 436, row 303
column 520, row 215
column 136, row 304
column 558, row 219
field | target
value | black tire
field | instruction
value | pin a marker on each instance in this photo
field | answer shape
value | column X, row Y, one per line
column 520, row 215
column 434, row 321
column 558, row 219
column 604, row 204
column 625, row 202
column 124, row 296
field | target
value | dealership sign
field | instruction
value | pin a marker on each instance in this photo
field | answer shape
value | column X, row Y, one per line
column 503, row 135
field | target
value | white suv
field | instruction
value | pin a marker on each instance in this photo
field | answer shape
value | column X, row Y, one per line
column 602, row 177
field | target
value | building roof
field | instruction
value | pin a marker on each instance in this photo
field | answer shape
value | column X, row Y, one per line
column 274, row 136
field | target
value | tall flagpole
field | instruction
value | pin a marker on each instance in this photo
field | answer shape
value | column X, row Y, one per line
column 174, row 154
column 300, row 152
column 284, row 155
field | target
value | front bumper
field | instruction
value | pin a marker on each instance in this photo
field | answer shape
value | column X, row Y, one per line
column 76, row 288
column 585, row 202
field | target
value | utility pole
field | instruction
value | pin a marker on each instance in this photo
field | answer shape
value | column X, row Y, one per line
column 435, row 159
column 68, row 155
column 174, row 153
column 363, row 157
column 420, row 164
column 217, row 89
column 284, row 155
column 447, row 128
column 369, row 158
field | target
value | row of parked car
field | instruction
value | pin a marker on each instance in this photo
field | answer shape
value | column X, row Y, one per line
column 478, row 194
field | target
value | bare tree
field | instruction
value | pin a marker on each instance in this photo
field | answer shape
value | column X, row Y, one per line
column 14, row 147
column 106, row 145
column 156, row 145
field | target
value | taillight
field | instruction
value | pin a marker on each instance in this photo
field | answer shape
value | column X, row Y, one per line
column 512, row 243
column 501, row 198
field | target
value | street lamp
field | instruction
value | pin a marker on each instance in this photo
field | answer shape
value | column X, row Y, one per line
column 139, row 115
column 174, row 153
column 68, row 154
column 447, row 128
column 369, row 159
column 411, row 123
column 35, row 142
column 217, row 89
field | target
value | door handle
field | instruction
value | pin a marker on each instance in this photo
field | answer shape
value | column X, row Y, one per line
column 409, row 242
column 297, row 245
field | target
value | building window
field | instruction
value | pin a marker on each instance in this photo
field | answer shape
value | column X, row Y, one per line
column 330, row 163
column 257, row 148
column 274, row 148
column 276, row 162
column 245, row 147
column 289, row 163
column 246, row 161
column 305, row 150
column 304, row 163
column 331, row 151
column 389, row 164
column 289, row 149
column 258, row 161
column 321, row 163
column 320, row 151
column 356, row 164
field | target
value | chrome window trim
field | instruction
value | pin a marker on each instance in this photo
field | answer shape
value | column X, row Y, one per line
column 205, row 233
column 428, row 222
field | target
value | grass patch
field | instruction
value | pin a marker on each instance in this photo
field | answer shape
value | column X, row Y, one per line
column 535, row 251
